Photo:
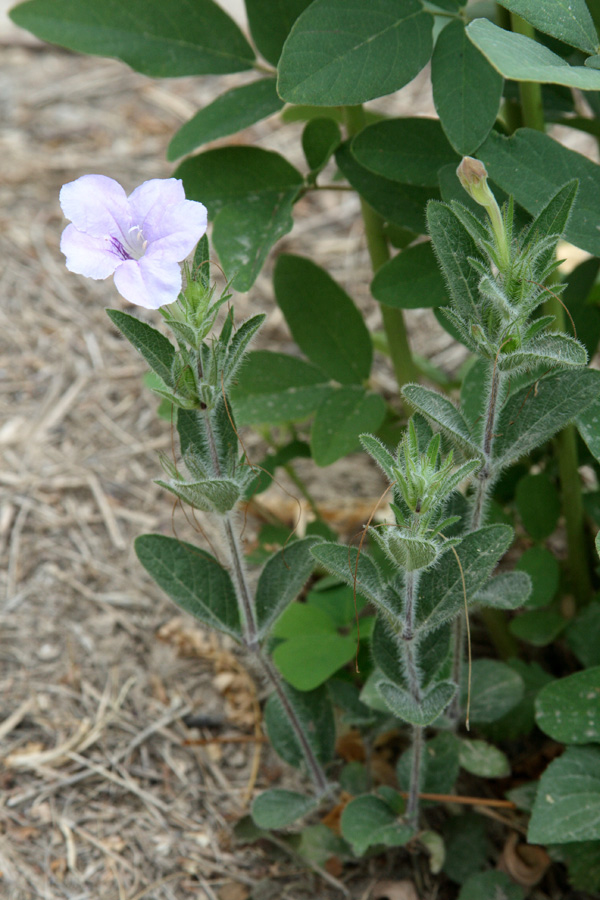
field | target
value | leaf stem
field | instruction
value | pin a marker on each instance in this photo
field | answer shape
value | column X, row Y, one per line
column 530, row 91
column 393, row 319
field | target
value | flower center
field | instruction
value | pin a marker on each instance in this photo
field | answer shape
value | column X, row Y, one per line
column 133, row 245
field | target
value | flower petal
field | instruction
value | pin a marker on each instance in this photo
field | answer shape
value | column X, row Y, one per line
column 87, row 255
column 96, row 205
column 151, row 198
column 175, row 234
column 148, row 283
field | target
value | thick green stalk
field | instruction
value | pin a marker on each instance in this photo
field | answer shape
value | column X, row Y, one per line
column 393, row 319
column 530, row 91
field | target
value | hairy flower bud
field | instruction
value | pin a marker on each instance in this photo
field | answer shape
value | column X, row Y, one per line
column 473, row 176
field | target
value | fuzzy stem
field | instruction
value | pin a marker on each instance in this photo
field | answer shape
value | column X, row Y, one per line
column 313, row 764
column 414, row 687
column 393, row 319
column 412, row 807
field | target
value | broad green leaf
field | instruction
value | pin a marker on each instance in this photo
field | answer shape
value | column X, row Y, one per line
column 340, row 54
column 568, row 20
column 404, row 706
column 567, row 805
column 338, row 602
column 410, row 151
column 318, row 843
column 368, row 821
column 315, row 712
column 533, row 166
column 467, row 848
column 509, row 590
column 277, row 808
column 434, row 652
column 152, row 37
column 539, row 627
column 495, row 689
column 281, row 580
column 342, row 416
column 552, row 220
column 439, row 765
column 483, row 759
column 453, row 246
column 193, row 579
column 584, row 311
column 439, row 409
column 588, row 425
column 542, row 567
column 568, row 710
column 466, row 89
column 365, row 576
column 583, row 635
column 270, row 23
column 249, row 193
column 532, row 416
column 320, row 139
column 399, row 204
column 583, row 863
column 411, row 280
column 490, row 884
column 521, row 718
column 308, row 660
column 274, row 388
column 156, row 349
column 538, row 505
column 228, row 114
column 521, row 58
column 323, row 319
column 441, row 594
column 194, row 440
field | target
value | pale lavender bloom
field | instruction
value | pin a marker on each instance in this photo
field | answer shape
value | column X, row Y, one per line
column 140, row 239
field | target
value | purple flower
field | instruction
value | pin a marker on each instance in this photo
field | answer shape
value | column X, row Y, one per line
column 140, row 239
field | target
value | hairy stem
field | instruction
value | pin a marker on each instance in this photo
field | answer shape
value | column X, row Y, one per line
column 313, row 764
column 412, row 806
column 393, row 319
column 414, row 687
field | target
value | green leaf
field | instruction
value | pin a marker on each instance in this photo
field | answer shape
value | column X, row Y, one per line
column 439, row 765
column 281, row 580
column 437, row 408
column 323, row 319
column 467, row 848
column 483, row 759
column 521, row 58
column 583, row 635
column 583, row 862
column 368, row 821
column 216, row 495
column 340, row 54
column 533, row 166
column 341, row 562
column 315, row 712
column 441, row 594
column 552, row 220
column 538, row 505
column 542, row 567
column 270, row 23
column 531, row 417
column 509, row 590
column 454, row 246
column 249, row 193
column 274, row 388
column 491, row 884
column 158, row 40
column 277, row 808
column 567, row 805
column 411, row 280
column 308, row 660
column 410, row 151
column 434, row 651
column 495, row 689
column 399, row 204
column 342, row 416
column 466, row 89
column 548, row 350
column 583, row 310
column 588, row 424
column 520, row 720
column 568, row 20
column 320, row 138
column 568, row 710
column 228, row 114
column 156, row 349
column 539, row 627
column 404, row 706
column 193, row 579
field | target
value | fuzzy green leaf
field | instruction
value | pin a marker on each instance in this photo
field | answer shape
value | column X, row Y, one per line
column 583, row 635
column 496, row 689
column 490, row 884
column 439, row 765
column 340, row 54
column 510, row 590
column 217, row 495
column 158, row 40
column 466, row 89
column 588, row 424
column 404, row 706
column 453, row 246
column 567, row 805
column 277, row 808
column 548, row 349
column 368, row 821
column 568, row 710
column 437, row 408
column 341, row 561
column 156, row 349
column 193, row 579
column 315, row 712
column 483, row 759
column 281, row 580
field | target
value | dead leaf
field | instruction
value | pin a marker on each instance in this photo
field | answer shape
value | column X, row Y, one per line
column 233, row 891
column 394, row 890
column 333, row 817
column 350, row 746
column 524, row 863
column 334, row 866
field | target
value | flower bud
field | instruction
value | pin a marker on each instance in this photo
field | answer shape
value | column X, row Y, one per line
column 473, row 176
